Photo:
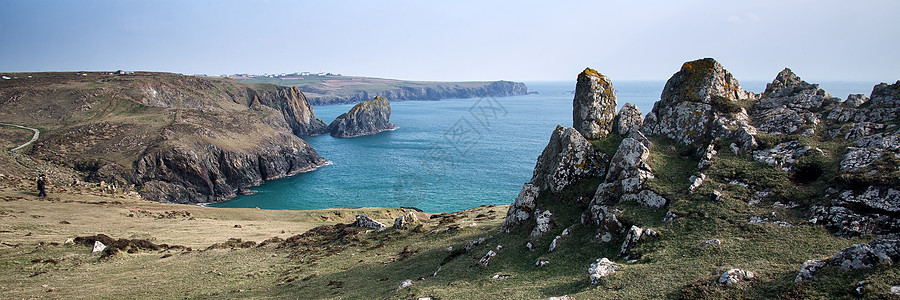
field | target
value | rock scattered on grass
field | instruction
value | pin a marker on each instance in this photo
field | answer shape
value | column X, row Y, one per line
column 601, row 268
column 733, row 276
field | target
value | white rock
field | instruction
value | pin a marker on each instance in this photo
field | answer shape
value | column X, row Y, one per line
column 543, row 223
column 733, row 276
column 553, row 244
column 808, row 270
column 405, row 284
column 98, row 247
column 601, row 268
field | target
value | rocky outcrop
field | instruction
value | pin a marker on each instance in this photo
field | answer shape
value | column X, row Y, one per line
column 790, row 105
column 406, row 91
column 568, row 157
column 297, row 111
column 628, row 172
column 366, row 222
column 212, row 174
column 629, row 119
column 702, row 101
column 364, row 118
column 594, row 105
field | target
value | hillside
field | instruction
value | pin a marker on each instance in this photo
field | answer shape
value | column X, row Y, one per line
column 170, row 137
column 718, row 193
column 331, row 89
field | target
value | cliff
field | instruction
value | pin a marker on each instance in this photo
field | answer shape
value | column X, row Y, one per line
column 710, row 169
column 324, row 90
column 364, row 118
column 174, row 138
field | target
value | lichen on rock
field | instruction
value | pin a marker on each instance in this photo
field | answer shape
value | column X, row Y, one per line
column 594, row 105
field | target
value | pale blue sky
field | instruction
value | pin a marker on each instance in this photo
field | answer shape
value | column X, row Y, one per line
column 456, row 40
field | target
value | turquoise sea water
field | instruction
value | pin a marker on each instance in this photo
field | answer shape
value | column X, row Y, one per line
column 448, row 155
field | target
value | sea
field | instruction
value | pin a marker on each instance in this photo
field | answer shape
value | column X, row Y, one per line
column 449, row 155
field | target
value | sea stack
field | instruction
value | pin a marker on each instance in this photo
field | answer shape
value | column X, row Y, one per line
column 594, row 105
column 364, row 118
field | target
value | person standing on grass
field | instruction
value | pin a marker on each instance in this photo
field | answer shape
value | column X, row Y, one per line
column 42, row 186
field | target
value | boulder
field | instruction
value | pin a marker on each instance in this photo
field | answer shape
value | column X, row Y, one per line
column 855, row 100
column 365, row 221
column 789, row 104
column 733, row 276
column 405, row 284
column 629, row 119
column 699, row 101
column 886, row 95
column 486, row 258
column 364, row 118
column 98, row 247
column 594, row 106
column 568, row 158
column 543, row 222
column 867, row 255
column 601, row 268
column 405, row 221
column 628, row 171
column 809, row 269
column 636, row 234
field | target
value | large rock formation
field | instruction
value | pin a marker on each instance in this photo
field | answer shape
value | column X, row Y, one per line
column 594, row 105
column 568, row 157
column 790, row 105
column 700, row 102
column 364, row 118
column 298, row 113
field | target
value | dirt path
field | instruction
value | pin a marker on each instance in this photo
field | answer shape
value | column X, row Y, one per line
column 37, row 133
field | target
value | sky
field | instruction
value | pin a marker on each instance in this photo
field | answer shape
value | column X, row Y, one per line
column 456, row 40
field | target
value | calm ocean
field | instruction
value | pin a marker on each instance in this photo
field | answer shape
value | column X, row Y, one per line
column 448, row 155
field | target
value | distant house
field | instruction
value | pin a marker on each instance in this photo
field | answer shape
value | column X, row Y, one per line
column 120, row 72
column 304, row 73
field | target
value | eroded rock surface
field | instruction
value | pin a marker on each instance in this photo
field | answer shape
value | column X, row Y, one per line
column 364, row 118
column 594, row 105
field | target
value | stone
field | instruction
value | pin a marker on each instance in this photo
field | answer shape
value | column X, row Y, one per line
column 876, row 197
column 634, row 235
column 808, row 270
column 365, row 221
column 529, row 246
column 472, row 244
column 788, row 103
column 405, row 284
column 541, row 263
column 594, row 106
column 710, row 243
column 855, row 100
column 521, row 209
column 886, row 95
column 670, row 217
column 895, row 290
column 867, row 255
column 486, row 258
column 700, row 100
column 543, row 223
column 696, row 181
column 629, row 119
column 405, row 221
column 627, row 173
column 98, row 247
column 781, row 156
column 568, row 158
column 734, row 276
column 364, row 118
column 564, row 297
column 554, row 243
column 646, row 198
column 601, row 268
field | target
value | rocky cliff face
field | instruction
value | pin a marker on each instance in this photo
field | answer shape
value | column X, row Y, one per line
column 211, row 174
column 298, row 113
column 364, row 118
column 176, row 138
column 594, row 105
column 321, row 95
